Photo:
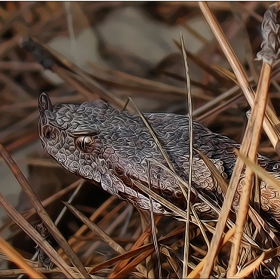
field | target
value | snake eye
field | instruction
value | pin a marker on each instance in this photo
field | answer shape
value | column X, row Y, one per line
column 50, row 133
column 85, row 144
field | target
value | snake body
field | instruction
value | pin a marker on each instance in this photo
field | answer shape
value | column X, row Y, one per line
column 98, row 142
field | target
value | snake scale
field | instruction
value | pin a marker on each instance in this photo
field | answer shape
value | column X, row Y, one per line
column 100, row 143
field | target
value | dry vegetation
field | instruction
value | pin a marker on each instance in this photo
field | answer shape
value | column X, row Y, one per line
column 107, row 237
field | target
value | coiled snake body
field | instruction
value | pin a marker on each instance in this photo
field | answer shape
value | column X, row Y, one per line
column 98, row 142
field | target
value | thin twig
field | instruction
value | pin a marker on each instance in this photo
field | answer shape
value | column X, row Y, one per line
column 269, row 56
column 16, row 257
column 48, row 249
column 42, row 212
column 154, row 234
column 102, row 234
column 242, row 79
column 189, row 104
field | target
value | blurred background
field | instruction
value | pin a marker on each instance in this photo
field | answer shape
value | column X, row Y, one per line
column 124, row 49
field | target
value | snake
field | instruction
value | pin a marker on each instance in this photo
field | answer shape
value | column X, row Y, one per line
column 100, row 143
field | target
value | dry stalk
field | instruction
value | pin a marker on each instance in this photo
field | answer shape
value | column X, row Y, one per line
column 198, row 268
column 269, row 55
column 190, row 112
column 154, row 229
column 246, row 271
column 104, row 236
column 242, row 79
column 16, row 257
column 42, row 212
column 136, row 245
column 48, row 249
column 271, row 121
column 94, row 216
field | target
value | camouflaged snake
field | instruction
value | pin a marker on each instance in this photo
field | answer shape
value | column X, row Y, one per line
column 98, row 142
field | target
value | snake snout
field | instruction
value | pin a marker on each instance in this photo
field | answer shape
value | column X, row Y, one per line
column 44, row 102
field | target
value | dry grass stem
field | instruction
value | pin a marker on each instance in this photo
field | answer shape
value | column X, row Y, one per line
column 14, row 256
column 42, row 212
column 246, row 271
column 263, row 174
column 242, row 79
column 269, row 57
column 74, row 52
column 145, row 235
column 190, row 112
column 132, row 83
column 199, row 267
column 104, row 236
column 92, row 218
column 154, row 229
column 255, row 127
column 271, row 120
column 221, row 79
column 24, row 225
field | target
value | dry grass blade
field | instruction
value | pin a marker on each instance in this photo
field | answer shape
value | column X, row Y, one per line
column 242, row 79
column 136, row 245
column 245, row 38
column 272, row 253
column 159, row 146
column 7, row 249
column 48, row 249
column 132, row 83
column 190, row 110
column 269, row 57
column 203, row 65
column 120, row 212
column 263, row 174
column 246, row 271
column 271, row 121
column 160, row 199
column 134, row 263
column 212, row 89
column 45, row 203
column 215, row 173
column 71, row 198
column 154, row 231
column 222, row 107
column 261, row 225
column 94, row 216
column 224, row 44
column 42, row 212
column 150, row 260
column 198, row 268
column 140, row 240
column 164, row 250
column 136, row 252
column 225, row 72
column 128, row 255
column 213, row 103
column 103, row 235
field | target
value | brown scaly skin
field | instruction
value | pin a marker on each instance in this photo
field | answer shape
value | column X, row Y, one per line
column 97, row 142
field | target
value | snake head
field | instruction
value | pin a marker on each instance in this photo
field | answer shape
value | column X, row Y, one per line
column 99, row 143
column 46, row 131
column 68, row 134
